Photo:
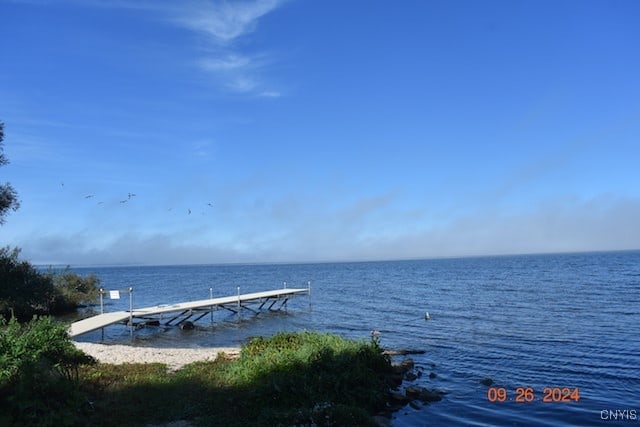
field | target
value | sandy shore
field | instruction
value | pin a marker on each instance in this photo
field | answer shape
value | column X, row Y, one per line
column 174, row 358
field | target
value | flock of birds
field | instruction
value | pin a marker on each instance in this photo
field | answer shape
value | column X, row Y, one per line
column 132, row 195
column 129, row 196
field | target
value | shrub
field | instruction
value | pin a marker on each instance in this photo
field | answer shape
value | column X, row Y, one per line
column 39, row 374
column 25, row 291
column 302, row 379
column 292, row 371
column 73, row 291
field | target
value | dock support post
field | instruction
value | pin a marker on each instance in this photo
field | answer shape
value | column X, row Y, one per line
column 131, row 312
column 239, row 306
column 211, row 307
column 102, row 311
column 285, row 301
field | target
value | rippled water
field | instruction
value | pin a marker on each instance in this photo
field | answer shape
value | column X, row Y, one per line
column 523, row 321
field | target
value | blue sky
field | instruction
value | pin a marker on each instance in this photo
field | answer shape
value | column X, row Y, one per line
column 290, row 131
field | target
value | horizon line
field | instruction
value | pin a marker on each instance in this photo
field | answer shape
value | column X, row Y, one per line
column 309, row 262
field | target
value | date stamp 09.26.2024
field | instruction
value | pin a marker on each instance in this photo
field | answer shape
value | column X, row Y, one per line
column 555, row 395
column 528, row 394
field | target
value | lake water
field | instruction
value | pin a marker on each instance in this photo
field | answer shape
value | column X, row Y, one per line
column 535, row 321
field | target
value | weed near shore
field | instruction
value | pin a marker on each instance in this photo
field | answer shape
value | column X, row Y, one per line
column 303, row 378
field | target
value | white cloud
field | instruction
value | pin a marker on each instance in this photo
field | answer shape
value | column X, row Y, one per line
column 225, row 21
column 222, row 24
column 270, row 94
column 231, row 62
column 241, row 84
column 203, row 148
column 239, row 73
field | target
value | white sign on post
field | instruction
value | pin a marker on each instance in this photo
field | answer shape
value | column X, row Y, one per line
column 114, row 294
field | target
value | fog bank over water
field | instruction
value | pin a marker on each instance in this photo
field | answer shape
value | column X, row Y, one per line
column 596, row 225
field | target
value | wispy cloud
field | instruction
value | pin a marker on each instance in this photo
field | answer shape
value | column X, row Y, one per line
column 222, row 24
column 224, row 21
column 203, row 149
column 270, row 94
column 231, row 62
column 237, row 73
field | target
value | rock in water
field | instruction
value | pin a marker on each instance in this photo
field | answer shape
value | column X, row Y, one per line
column 431, row 395
column 186, row 325
column 486, row 381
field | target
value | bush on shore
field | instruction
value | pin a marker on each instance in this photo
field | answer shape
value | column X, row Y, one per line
column 39, row 374
column 73, row 291
column 25, row 291
column 303, row 379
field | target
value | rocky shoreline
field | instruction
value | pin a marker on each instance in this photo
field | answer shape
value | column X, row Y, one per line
column 404, row 373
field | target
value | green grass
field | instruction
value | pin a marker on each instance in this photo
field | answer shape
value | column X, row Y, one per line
column 303, row 378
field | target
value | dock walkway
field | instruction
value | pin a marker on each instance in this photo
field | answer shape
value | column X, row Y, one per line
column 185, row 310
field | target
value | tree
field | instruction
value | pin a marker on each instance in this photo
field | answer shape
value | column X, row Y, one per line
column 24, row 291
column 8, row 196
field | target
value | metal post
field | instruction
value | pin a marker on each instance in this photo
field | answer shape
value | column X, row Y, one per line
column 102, row 310
column 285, row 301
column 131, row 311
column 284, row 304
column 211, row 297
column 239, row 305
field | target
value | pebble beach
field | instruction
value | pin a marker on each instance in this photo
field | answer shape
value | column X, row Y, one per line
column 174, row 358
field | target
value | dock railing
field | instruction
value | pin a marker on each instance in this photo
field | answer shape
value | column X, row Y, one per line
column 182, row 312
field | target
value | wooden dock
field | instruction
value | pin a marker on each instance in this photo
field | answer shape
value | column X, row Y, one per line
column 182, row 312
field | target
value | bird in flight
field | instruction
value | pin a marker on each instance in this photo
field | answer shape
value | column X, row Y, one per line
column 88, row 196
column 130, row 195
column 189, row 211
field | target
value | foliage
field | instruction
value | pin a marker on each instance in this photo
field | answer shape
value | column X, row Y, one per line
column 332, row 364
column 293, row 372
column 39, row 374
column 25, row 292
column 73, row 290
column 301, row 378
column 8, row 196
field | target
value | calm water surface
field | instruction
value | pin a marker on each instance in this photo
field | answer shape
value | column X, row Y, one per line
column 523, row 321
